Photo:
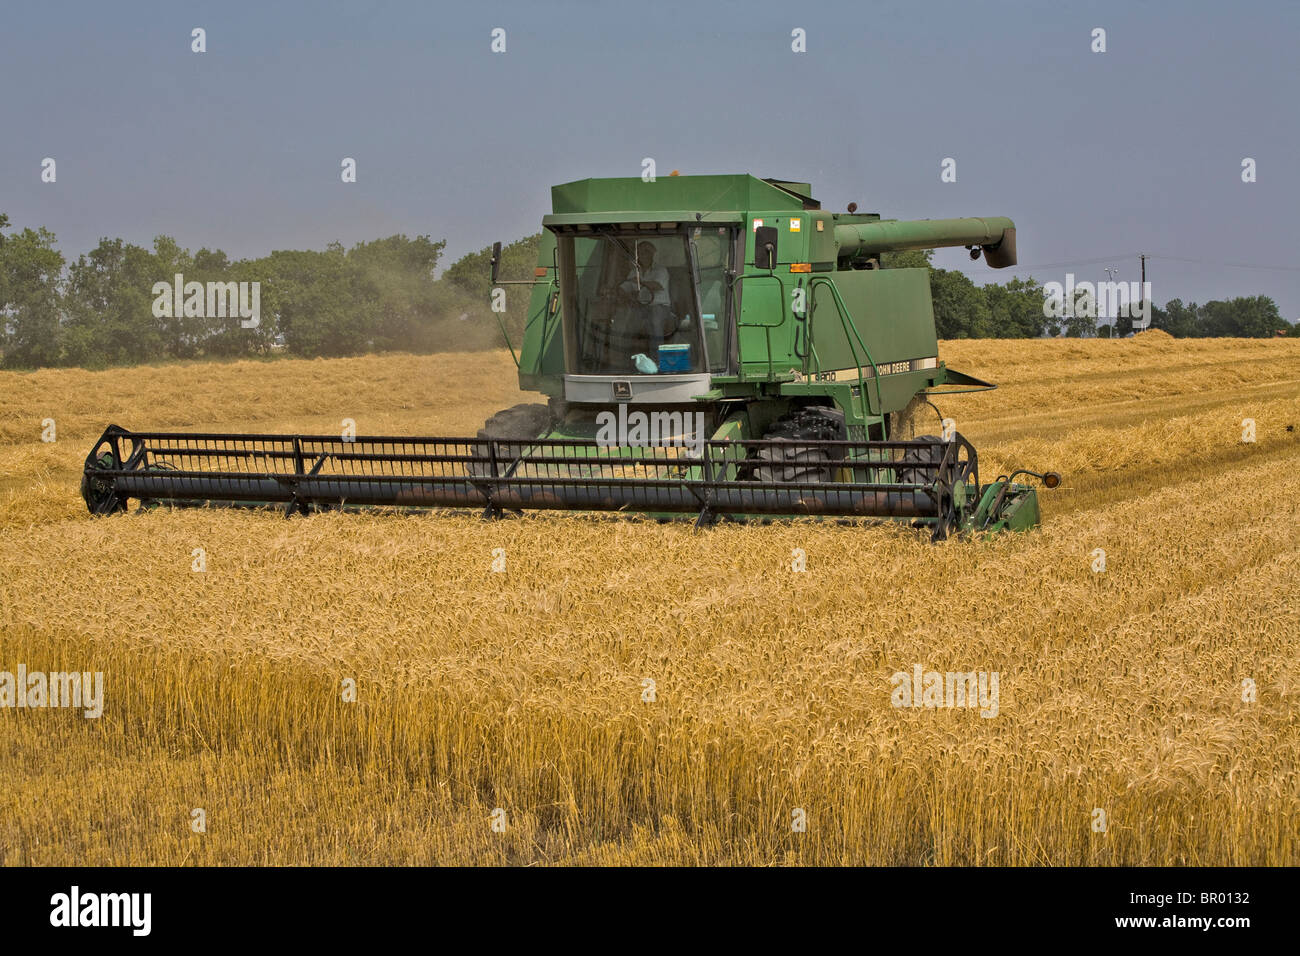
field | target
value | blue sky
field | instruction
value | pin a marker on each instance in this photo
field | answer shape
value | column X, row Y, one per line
column 1097, row 156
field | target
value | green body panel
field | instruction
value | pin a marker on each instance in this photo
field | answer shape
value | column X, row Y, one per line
column 640, row 215
column 1018, row 511
column 877, row 332
column 763, row 330
column 890, row 309
column 541, row 354
column 702, row 194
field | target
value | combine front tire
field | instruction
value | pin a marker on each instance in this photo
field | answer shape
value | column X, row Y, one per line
column 519, row 421
column 794, row 463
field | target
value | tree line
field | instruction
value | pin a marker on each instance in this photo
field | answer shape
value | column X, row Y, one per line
column 123, row 304
column 115, row 305
column 1015, row 309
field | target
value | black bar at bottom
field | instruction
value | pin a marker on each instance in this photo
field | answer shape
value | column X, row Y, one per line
column 924, row 910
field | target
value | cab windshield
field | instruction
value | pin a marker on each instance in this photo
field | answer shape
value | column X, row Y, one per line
column 633, row 302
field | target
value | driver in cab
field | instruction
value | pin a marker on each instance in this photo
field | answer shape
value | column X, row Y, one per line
column 649, row 293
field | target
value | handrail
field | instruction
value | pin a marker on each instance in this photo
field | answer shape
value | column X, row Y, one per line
column 847, row 322
column 766, row 327
column 812, row 354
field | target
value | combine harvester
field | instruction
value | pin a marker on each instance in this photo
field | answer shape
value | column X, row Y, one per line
column 715, row 346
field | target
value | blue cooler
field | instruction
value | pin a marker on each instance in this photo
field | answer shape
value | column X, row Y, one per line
column 675, row 358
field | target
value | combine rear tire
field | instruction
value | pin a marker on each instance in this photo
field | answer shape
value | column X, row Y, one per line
column 779, row 463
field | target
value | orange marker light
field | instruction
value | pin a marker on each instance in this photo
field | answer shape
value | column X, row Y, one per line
column 801, row 267
column 540, row 271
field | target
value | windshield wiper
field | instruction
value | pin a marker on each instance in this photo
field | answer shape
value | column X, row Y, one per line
column 618, row 244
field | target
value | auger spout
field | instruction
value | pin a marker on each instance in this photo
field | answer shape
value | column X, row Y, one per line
column 995, row 235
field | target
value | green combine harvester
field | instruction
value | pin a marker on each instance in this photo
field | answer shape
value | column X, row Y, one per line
column 711, row 346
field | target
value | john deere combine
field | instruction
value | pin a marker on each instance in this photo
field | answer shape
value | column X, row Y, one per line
column 710, row 345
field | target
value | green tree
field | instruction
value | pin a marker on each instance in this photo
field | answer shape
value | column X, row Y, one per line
column 1016, row 309
column 960, row 308
column 1243, row 317
column 1081, row 315
column 1132, row 312
column 182, row 335
column 469, row 285
column 963, row 309
column 907, row 259
column 109, row 307
column 229, row 337
column 399, row 271
column 4, row 284
column 30, row 298
column 1180, row 321
column 323, row 305
column 472, row 271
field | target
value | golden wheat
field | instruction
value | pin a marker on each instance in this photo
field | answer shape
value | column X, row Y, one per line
column 527, row 691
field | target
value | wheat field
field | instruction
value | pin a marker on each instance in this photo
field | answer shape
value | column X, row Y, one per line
column 510, row 718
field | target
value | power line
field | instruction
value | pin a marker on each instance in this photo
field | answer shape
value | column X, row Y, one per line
column 1131, row 255
column 1076, row 262
column 1228, row 265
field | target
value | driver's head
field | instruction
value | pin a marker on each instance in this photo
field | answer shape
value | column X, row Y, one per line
column 645, row 255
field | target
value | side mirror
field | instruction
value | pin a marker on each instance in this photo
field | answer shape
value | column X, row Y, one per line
column 765, row 247
column 495, row 260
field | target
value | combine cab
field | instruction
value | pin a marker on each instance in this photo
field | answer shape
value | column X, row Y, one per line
column 712, row 346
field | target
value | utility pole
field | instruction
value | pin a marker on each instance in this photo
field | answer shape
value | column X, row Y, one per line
column 1142, row 290
column 1111, row 273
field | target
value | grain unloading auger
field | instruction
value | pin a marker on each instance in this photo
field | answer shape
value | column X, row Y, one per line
column 715, row 346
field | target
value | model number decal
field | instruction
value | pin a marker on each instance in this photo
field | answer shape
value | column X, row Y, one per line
column 886, row 368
